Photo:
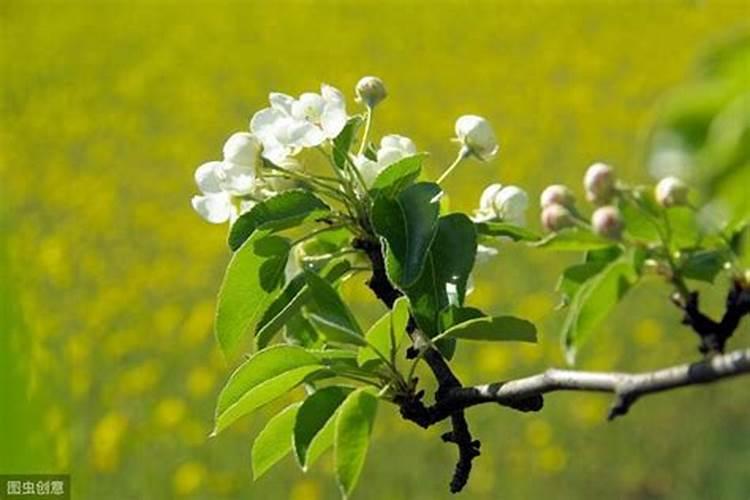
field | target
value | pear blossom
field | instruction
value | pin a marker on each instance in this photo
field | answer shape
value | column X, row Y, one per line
column 290, row 125
column 393, row 148
column 671, row 192
column 607, row 221
column 370, row 90
column 476, row 136
column 599, row 183
column 557, row 194
column 556, row 217
column 221, row 182
column 507, row 203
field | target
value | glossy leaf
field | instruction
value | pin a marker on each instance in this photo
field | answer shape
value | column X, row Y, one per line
column 343, row 142
column 703, row 265
column 352, row 437
column 573, row 239
column 397, row 176
column 313, row 416
column 594, row 300
column 496, row 328
column 253, row 278
column 450, row 261
column 291, row 299
column 408, row 224
column 262, row 378
column 330, row 314
column 282, row 211
column 508, row 230
column 274, row 441
column 386, row 334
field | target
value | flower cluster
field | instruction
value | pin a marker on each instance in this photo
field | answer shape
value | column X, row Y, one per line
column 265, row 161
column 601, row 187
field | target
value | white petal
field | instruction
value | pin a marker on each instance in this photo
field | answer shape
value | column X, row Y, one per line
column 305, row 134
column 239, row 180
column 246, row 205
column 215, row 208
column 487, row 201
column 264, row 122
column 278, row 154
column 331, row 94
column 333, row 120
column 242, row 148
column 368, row 168
column 388, row 156
column 281, row 102
column 309, row 106
column 208, row 177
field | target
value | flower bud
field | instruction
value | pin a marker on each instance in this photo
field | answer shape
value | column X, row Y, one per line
column 370, row 90
column 599, row 183
column 476, row 136
column 671, row 191
column 511, row 203
column 556, row 217
column 607, row 221
column 557, row 194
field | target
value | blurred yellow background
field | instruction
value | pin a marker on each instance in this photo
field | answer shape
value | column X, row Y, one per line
column 108, row 278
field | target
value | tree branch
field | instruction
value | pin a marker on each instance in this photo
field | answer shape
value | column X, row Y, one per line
column 626, row 387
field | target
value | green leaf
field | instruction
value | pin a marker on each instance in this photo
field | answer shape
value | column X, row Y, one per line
column 316, row 411
column 386, row 334
column 397, row 176
column 282, row 211
column 352, row 437
column 594, row 300
column 343, row 142
column 573, row 239
column 684, row 226
column 291, row 299
column 300, row 331
column 331, row 314
column 640, row 223
column 254, row 276
column 262, row 378
column 496, row 328
column 575, row 276
column 703, row 265
column 274, row 441
column 516, row 233
column 408, row 223
column 450, row 260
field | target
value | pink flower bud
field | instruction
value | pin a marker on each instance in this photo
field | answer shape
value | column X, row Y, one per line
column 557, row 194
column 671, row 192
column 607, row 221
column 599, row 183
column 556, row 217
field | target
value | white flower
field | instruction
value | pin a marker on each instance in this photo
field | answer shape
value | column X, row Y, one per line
column 507, row 203
column 370, row 90
column 671, row 191
column 214, row 204
column 476, row 136
column 392, row 149
column 289, row 124
column 221, row 181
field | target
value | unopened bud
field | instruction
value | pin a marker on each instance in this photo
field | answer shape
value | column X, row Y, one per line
column 477, row 137
column 599, row 183
column 671, row 192
column 370, row 90
column 607, row 222
column 557, row 194
column 556, row 217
